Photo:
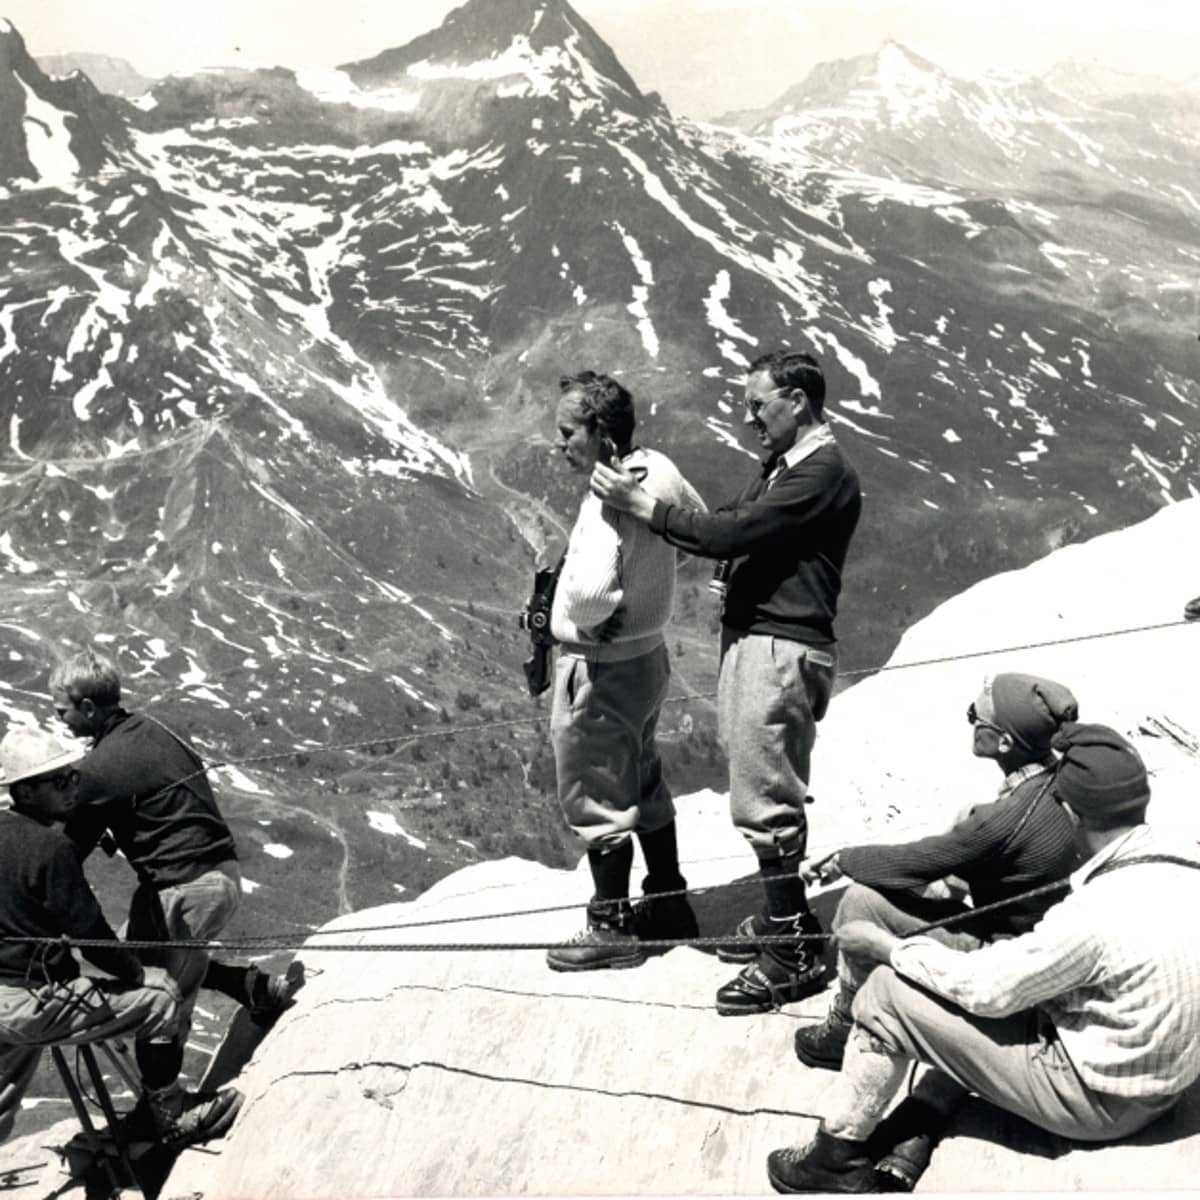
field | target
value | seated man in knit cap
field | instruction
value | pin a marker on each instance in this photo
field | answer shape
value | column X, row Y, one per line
column 613, row 599
column 44, row 897
column 1021, row 839
column 1088, row 1026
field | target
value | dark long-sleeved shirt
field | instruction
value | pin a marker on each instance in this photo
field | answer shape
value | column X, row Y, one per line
column 999, row 850
column 788, row 542
column 43, row 894
column 149, row 789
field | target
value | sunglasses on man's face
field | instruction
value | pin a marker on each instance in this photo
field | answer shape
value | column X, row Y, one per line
column 975, row 719
column 62, row 779
column 755, row 405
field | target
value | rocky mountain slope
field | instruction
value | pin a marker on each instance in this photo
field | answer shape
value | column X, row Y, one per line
column 1096, row 169
column 278, row 352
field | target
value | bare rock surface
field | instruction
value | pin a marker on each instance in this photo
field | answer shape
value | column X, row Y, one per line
column 468, row 1070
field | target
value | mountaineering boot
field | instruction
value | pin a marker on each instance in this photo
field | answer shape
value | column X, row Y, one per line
column 267, row 995
column 753, row 927
column 669, row 917
column 829, row 1164
column 191, row 1118
column 608, row 941
column 824, row 1045
column 782, row 973
column 903, row 1143
column 762, row 924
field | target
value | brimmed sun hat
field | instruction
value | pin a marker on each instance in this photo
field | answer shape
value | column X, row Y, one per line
column 27, row 753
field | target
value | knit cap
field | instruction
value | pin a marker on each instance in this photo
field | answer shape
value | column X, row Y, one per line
column 1031, row 709
column 1101, row 776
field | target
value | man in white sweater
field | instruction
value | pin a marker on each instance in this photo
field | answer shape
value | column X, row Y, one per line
column 611, row 605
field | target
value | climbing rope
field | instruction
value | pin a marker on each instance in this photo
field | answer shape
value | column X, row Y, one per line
column 286, row 942
column 404, row 738
column 289, row 942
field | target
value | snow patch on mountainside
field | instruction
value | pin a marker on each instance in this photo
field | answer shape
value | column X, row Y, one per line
column 336, row 87
column 48, row 140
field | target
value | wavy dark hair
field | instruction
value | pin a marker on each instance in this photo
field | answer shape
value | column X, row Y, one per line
column 795, row 369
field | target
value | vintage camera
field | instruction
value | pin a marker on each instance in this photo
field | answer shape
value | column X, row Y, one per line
column 719, row 583
column 535, row 620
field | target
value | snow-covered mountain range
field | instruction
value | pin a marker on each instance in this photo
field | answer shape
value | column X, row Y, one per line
column 278, row 352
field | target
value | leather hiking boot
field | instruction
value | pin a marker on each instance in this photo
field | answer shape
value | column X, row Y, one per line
column 903, row 1143
column 824, row 1045
column 751, row 929
column 770, row 982
column 829, row 1164
column 658, row 917
column 761, row 925
column 782, row 973
column 269, row 995
column 192, row 1118
column 608, row 941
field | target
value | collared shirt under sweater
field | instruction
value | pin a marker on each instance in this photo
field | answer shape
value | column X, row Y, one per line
column 787, row 535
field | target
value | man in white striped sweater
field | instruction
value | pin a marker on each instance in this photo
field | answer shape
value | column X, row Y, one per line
column 613, row 600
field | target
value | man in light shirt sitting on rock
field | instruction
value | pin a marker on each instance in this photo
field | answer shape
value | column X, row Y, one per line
column 992, row 852
column 1088, row 1026
column 612, row 602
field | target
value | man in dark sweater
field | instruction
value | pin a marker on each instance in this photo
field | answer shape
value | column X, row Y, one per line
column 993, row 851
column 784, row 541
column 44, row 1000
column 147, row 790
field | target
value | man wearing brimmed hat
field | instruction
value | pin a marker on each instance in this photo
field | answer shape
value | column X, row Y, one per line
column 995, row 851
column 44, row 1000
column 1088, row 1025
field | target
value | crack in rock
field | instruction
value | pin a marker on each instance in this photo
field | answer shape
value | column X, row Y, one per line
column 622, row 1094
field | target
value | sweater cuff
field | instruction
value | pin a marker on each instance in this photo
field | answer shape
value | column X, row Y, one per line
column 658, row 518
column 850, row 860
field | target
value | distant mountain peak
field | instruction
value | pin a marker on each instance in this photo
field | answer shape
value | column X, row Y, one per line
column 503, row 20
column 12, row 45
column 892, row 51
column 52, row 131
column 494, row 39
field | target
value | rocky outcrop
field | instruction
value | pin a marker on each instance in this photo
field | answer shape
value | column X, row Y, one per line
column 472, row 1071
column 468, row 1070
